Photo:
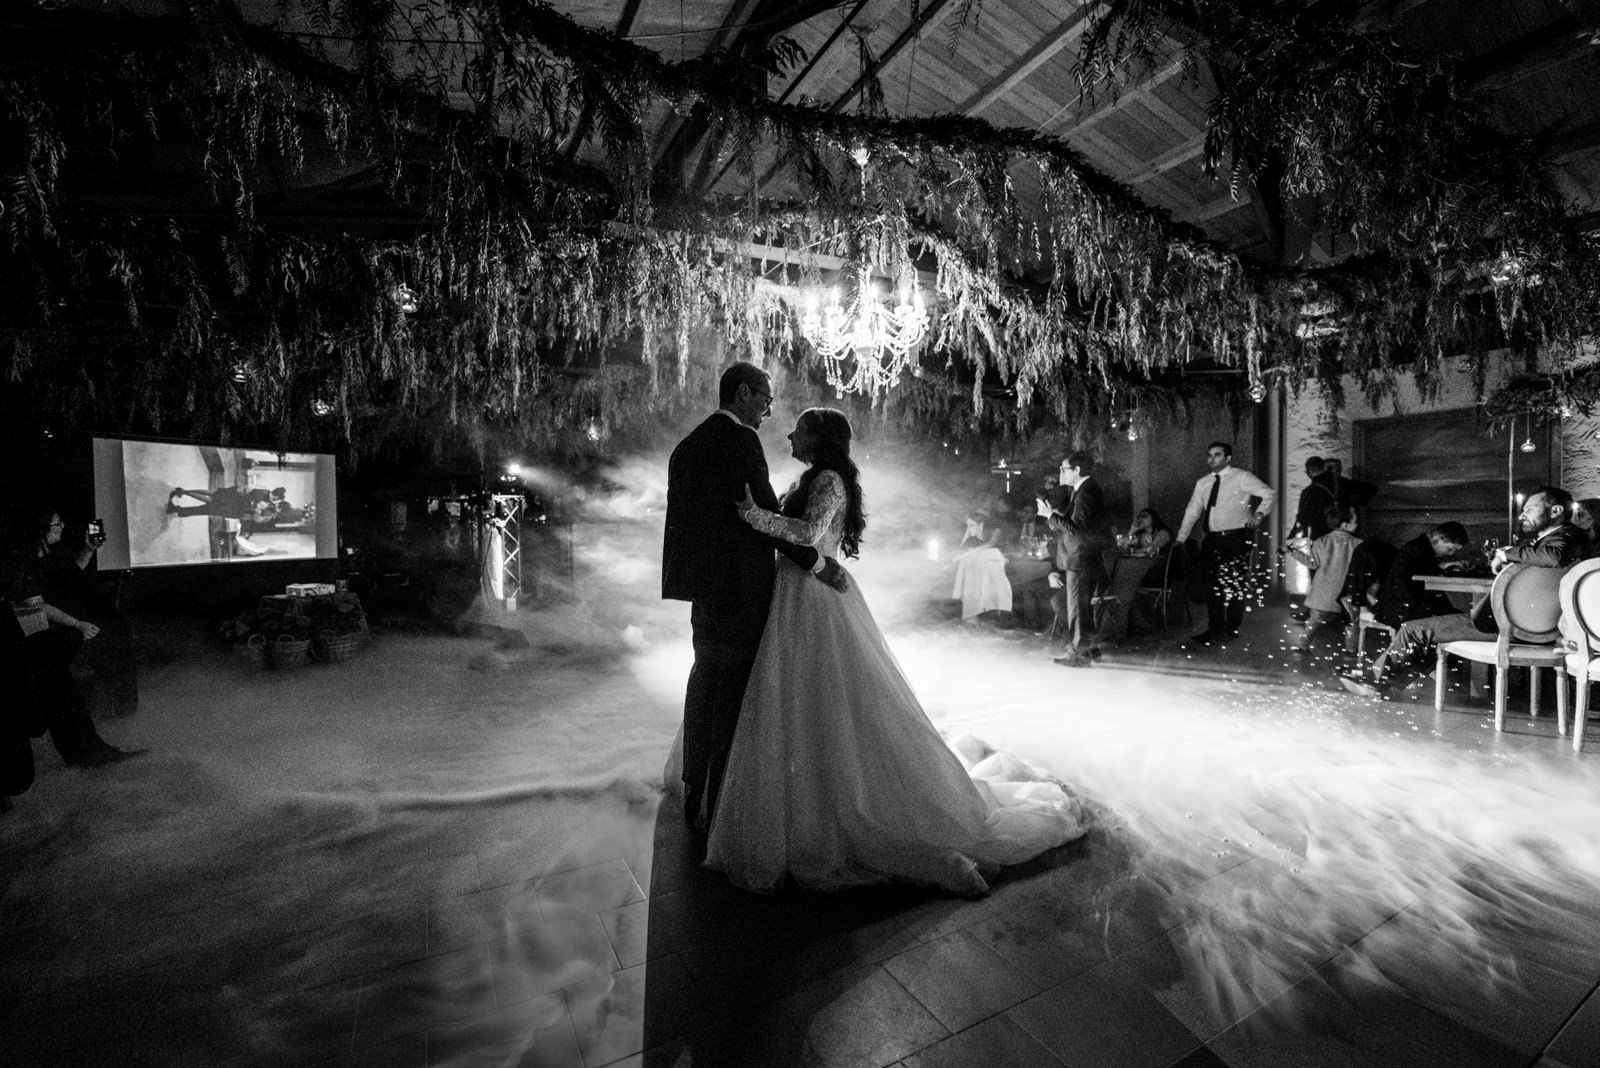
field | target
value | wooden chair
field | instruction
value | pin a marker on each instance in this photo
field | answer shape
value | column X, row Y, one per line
column 1580, row 618
column 1527, row 607
column 1370, row 564
column 1163, row 599
column 1366, row 621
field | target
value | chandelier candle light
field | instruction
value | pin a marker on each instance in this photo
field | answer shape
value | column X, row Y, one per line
column 882, row 340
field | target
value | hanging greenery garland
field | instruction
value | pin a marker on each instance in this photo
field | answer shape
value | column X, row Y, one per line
column 521, row 261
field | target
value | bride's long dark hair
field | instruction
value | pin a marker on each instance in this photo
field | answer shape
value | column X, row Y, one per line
column 831, row 452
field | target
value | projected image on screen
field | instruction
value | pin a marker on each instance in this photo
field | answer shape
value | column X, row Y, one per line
column 194, row 504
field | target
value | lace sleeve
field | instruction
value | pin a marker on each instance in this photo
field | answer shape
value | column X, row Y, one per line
column 824, row 502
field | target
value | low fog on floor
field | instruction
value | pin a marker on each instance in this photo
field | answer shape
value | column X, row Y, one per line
column 274, row 804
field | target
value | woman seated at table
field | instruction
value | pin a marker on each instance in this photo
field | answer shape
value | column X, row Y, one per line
column 981, row 584
column 1150, row 536
column 1586, row 517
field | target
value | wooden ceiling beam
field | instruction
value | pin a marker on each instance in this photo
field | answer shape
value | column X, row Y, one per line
column 827, row 45
column 1211, row 209
column 581, row 128
column 1107, row 107
column 1163, row 110
column 1035, row 57
column 1385, row 13
column 1573, row 143
column 756, row 22
column 1551, row 45
column 630, row 11
column 1176, row 156
column 1271, row 225
column 933, row 12
column 794, row 83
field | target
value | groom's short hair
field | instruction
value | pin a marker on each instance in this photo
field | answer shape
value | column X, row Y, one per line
column 742, row 373
column 1082, row 461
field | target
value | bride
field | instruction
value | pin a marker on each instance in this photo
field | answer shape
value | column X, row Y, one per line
column 836, row 777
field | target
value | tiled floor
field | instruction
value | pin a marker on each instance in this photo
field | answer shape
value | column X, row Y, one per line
column 357, row 919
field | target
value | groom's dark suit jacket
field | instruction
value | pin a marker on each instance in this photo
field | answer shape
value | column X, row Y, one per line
column 709, row 554
column 725, row 567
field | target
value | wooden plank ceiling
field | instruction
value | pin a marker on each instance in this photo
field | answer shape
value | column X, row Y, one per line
column 1536, row 62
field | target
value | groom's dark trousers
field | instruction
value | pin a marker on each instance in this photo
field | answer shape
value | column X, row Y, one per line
column 724, row 567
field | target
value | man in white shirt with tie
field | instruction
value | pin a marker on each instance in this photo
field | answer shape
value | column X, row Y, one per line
column 1227, row 504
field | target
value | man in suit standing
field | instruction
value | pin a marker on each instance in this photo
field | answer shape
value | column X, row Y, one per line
column 724, row 568
column 1227, row 504
column 1311, row 514
column 1080, row 561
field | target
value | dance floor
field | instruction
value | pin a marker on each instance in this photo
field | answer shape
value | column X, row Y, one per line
column 438, row 854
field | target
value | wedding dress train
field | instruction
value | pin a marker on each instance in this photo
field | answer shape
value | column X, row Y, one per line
column 836, row 776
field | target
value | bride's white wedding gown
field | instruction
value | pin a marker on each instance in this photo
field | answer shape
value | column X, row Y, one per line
column 836, row 776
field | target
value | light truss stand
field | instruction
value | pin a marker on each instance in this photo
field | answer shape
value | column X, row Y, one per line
column 502, row 550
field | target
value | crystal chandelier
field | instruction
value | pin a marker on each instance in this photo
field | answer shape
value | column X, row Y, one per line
column 882, row 340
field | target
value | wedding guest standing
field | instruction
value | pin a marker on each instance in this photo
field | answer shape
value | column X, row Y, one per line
column 1085, row 538
column 1311, row 513
column 1227, row 504
column 1329, row 560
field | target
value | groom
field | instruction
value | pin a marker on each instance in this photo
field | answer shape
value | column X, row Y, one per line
column 725, row 569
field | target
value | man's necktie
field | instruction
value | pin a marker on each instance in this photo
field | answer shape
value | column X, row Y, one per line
column 1211, row 502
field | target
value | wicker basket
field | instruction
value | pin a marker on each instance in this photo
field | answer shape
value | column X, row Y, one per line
column 290, row 652
column 253, row 653
column 336, row 647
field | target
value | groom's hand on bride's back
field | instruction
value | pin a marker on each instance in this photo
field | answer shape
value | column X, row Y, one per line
column 833, row 574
